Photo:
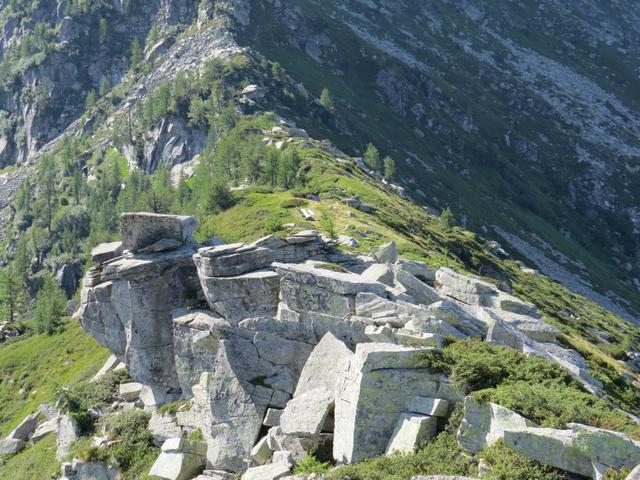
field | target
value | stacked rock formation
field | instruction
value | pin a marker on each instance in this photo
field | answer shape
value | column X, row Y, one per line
column 286, row 346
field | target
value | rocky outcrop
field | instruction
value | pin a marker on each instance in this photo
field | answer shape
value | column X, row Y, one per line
column 272, row 335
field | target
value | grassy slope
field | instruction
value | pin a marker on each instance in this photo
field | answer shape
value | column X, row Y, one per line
column 32, row 368
column 419, row 236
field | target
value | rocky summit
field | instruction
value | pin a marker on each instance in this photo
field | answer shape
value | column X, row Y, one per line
column 287, row 347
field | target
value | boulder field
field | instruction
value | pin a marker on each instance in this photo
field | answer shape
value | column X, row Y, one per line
column 288, row 345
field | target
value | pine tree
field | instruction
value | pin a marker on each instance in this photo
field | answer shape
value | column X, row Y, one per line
column 90, row 100
column 103, row 30
column 372, row 158
column 326, row 100
column 447, row 219
column 12, row 293
column 389, row 168
column 47, row 183
column 104, row 87
column 136, row 54
column 49, row 307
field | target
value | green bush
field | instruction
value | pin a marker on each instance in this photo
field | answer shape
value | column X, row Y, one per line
column 310, row 464
column 294, row 203
column 443, row 456
column 533, row 387
column 508, row 465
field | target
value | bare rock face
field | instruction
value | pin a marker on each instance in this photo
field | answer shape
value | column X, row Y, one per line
column 143, row 230
column 127, row 303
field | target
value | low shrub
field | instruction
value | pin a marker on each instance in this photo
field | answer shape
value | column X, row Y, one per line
column 508, row 465
column 443, row 456
column 294, row 203
column 310, row 464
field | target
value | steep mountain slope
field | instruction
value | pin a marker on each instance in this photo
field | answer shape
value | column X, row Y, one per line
column 520, row 116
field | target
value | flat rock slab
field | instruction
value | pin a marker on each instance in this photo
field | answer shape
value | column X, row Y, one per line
column 140, row 230
column 485, row 423
column 273, row 471
column 411, row 432
column 335, row 282
column 305, row 415
column 106, row 251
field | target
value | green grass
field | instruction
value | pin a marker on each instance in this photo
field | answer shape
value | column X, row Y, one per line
column 32, row 368
column 36, row 462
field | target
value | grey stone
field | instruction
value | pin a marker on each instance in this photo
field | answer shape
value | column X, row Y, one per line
column 416, row 287
column 253, row 294
column 163, row 245
column 485, row 423
column 387, row 253
column 92, row 471
column 130, row 392
column 44, row 429
column 261, row 453
column 411, row 432
column 109, row 365
column 68, row 433
column 465, row 289
column 238, row 262
column 11, row 446
column 435, row 407
column 306, row 414
column 180, row 459
column 321, row 368
column 373, row 389
column 379, row 272
column 140, row 230
column 162, row 428
column 454, row 315
column 26, row 428
column 106, row 251
column 272, row 417
column 273, row 471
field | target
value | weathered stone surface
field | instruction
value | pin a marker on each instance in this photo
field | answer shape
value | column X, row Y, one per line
column 67, row 433
column 387, row 253
column 454, row 315
column 111, row 363
column 164, row 245
column 253, row 294
column 11, row 446
column 162, row 428
column 306, row 414
column 272, row 417
column 261, row 453
column 435, row 407
column 381, row 310
column 551, row 447
column 334, row 282
column 106, row 251
column 273, row 471
column 485, row 423
column 212, row 263
column 503, row 334
column 373, row 389
column 416, row 287
column 128, row 306
column 140, row 230
column 379, row 272
column 418, row 269
column 612, row 449
column 180, row 459
column 411, row 432
column 321, row 368
column 130, row 392
column 26, row 428
column 78, row 470
column 469, row 290
column 44, row 429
